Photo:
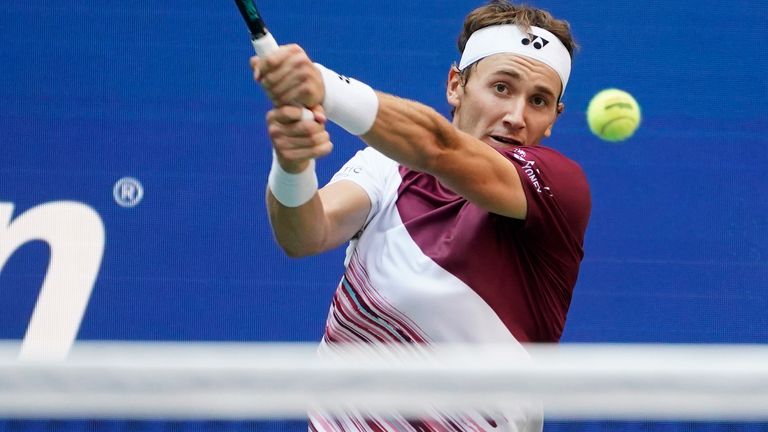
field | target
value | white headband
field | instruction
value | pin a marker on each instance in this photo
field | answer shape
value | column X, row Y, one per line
column 537, row 43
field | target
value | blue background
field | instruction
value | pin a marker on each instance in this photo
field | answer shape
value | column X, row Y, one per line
column 90, row 92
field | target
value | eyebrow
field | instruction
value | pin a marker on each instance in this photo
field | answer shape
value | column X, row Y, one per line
column 515, row 75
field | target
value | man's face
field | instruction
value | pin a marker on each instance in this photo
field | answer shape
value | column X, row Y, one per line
column 507, row 100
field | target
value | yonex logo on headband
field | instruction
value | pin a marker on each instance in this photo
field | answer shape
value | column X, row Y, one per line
column 536, row 43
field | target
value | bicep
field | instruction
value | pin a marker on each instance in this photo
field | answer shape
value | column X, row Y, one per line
column 346, row 206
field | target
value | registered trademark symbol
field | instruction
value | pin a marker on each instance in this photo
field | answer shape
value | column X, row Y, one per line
column 128, row 192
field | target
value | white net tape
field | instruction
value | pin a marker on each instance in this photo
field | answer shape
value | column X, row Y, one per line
column 239, row 381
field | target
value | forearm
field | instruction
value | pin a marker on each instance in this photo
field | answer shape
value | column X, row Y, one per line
column 406, row 131
column 411, row 133
column 300, row 231
column 294, row 207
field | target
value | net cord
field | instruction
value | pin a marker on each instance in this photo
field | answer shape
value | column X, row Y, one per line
column 258, row 381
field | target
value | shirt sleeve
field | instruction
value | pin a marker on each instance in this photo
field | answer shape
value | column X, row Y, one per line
column 557, row 194
column 369, row 169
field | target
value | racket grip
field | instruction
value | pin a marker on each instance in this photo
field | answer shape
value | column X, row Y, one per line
column 265, row 45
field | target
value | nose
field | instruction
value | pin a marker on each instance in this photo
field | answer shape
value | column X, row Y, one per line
column 513, row 116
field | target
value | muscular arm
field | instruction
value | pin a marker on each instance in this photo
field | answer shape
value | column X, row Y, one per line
column 422, row 139
column 406, row 131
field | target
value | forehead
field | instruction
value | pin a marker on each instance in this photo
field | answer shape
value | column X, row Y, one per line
column 525, row 69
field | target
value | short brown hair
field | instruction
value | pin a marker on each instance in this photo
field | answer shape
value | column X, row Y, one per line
column 498, row 12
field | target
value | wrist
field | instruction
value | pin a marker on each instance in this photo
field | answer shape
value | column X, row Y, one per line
column 349, row 103
column 292, row 189
column 292, row 167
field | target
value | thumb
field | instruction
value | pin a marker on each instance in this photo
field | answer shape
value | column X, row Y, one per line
column 319, row 112
column 254, row 62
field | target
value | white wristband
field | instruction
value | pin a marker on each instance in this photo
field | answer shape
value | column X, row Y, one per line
column 349, row 103
column 292, row 190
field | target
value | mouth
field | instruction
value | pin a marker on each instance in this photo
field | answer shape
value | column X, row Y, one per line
column 506, row 140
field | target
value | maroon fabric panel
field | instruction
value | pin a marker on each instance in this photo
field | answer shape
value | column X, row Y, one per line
column 524, row 270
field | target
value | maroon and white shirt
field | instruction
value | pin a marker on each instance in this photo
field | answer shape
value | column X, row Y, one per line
column 431, row 267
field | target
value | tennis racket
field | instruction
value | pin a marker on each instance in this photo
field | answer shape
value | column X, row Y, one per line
column 262, row 40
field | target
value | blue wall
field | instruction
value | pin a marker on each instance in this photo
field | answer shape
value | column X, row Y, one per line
column 90, row 92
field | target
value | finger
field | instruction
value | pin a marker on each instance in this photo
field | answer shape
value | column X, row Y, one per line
column 295, row 69
column 295, row 129
column 297, row 135
column 304, row 128
column 254, row 63
column 271, row 66
column 297, row 93
column 286, row 114
column 306, row 152
column 284, row 68
column 285, row 87
column 286, row 143
column 319, row 112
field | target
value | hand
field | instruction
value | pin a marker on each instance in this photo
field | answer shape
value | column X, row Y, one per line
column 289, row 77
column 296, row 140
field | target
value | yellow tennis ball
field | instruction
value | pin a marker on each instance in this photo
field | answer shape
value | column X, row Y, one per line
column 613, row 115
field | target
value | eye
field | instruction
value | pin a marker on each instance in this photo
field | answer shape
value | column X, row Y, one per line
column 539, row 101
column 501, row 88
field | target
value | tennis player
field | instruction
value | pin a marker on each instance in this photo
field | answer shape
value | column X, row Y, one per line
column 467, row 230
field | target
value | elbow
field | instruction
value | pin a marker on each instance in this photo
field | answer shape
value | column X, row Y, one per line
column 299, row 250
column 300, row 247
column 295, row 253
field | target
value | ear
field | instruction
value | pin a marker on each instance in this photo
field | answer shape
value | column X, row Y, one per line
column 560, row 109
column 453, row 87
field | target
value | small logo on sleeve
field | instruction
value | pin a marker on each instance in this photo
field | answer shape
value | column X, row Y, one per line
column 530, row 170
column 349, row 170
